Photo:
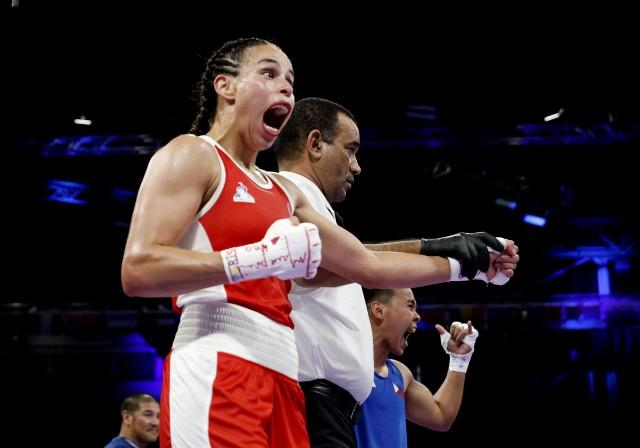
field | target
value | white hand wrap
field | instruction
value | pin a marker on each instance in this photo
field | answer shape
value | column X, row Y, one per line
column 459, row 362
column 286, row 252
column 456, row 276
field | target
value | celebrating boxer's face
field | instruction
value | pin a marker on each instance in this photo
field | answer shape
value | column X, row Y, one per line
column 401, row 320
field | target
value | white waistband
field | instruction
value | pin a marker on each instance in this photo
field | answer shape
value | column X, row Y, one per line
column 239, row 331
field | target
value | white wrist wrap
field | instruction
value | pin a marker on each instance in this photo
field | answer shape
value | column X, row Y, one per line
column 286, row 252
column 455, row 269
column 459, row 362
column 456, row 275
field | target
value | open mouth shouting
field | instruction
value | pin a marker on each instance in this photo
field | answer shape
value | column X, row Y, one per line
column 275, row 117
column 405, row 337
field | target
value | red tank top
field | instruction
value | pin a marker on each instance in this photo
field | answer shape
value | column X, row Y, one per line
column 241, row 213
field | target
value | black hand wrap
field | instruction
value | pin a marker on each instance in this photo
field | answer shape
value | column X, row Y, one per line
column 470, row 249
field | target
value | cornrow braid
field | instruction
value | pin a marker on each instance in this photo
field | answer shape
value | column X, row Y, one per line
column 225, row 60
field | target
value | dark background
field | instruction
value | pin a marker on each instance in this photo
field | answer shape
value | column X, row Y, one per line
column 554, row 354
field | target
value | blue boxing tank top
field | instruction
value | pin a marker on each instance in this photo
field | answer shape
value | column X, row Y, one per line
column 383, row 421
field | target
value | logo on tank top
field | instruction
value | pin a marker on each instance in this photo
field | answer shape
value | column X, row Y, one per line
column 398, row 391
column 242, row 194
